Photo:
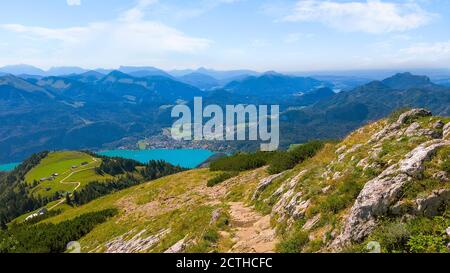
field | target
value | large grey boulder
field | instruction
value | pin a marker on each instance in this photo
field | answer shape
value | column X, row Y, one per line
column 380, row 193
column 431, row 205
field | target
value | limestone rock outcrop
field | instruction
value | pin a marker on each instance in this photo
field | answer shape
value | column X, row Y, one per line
column 383, row 192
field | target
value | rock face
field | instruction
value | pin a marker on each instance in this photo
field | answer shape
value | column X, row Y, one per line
column 311, row 222
column 290, row 205
column 264, row 183
column 136, row 244
column 382, row 192
column 446, row 131
column 431, row 205
column 404, row 118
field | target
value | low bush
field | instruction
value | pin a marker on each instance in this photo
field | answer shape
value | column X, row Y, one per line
column 283, row 161
column 344, row 195
column 294, row 243
column 242, row 161
column 221, row 177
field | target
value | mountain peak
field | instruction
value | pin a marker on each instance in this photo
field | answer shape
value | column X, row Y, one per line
column 115, row 76
column 22, row 69
column 18, row 83
column 406, row 80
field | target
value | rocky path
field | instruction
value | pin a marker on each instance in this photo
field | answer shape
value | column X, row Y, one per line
column 252, row 231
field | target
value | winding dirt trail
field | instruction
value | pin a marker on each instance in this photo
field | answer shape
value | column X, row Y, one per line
column 252, row 231
column 78, row 184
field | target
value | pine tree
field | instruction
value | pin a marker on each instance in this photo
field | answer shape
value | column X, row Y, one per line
column 68, row 199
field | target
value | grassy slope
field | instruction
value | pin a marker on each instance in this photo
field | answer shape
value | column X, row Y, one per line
column 181, row 202
column 61, row 163
column 184, row 204
column 334, row 204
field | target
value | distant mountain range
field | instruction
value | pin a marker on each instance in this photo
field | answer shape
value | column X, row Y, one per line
column 341, row 113
column 92, row 109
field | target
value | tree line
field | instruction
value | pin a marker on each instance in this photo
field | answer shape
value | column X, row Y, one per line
column 153, row 170
column 48, row 237
column 15, row 199
column 278, row 161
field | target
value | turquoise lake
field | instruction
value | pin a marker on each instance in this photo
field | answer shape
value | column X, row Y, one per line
column 8, row 167
column 187, row 158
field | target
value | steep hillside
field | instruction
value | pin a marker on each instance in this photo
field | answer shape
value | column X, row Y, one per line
column 344, row 112
column 387, row 182
column 273, row 85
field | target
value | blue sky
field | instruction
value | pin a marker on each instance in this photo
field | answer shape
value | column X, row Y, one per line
column 284, row 35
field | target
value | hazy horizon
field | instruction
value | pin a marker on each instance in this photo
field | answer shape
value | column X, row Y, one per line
column 284, row 35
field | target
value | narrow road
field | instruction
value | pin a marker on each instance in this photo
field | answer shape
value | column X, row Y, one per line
column 78, row 184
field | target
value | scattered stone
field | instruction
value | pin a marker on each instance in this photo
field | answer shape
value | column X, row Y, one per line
column 341, row 149
column 178, row 247
column 363, row 163
column 438, row 125
column 337, row 175
column 431, row 205
column 285, row 205
column 441, row 176
column 215, row 216
column 136, row 244
column 264, row 183
column 300, row 209
column 311, row 222
column 446, row 131
column 353, row 149
column 412, row 129
column 326, row 189
column 392, row 129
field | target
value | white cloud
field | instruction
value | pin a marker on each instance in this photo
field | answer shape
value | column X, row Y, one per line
column 137, row 13
column 128, row 39
column 296, row 37
column 73, row 2
column 371, row 16
column 437, row 50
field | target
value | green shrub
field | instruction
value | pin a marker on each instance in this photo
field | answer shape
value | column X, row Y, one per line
column 283, row 161
column 221, row 177
column 211, row 235
column 446, row 166
column 242, row 161
column 393, row 237
column 343, row 196
column 294, row 243
column 278, row 161
column 427, row 244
